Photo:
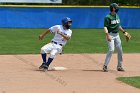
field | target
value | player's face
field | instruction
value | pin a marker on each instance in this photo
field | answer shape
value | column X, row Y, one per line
column 113, row 9
column 68, row 25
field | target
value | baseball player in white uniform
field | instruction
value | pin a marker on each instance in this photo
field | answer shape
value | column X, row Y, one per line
column 62, row 33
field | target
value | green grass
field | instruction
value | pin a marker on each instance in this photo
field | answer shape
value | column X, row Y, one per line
column 133, row 81
column 25, row 41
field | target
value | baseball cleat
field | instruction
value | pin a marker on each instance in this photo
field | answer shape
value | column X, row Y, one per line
column 45, row 68
column 105, row 68
column 120, row 68
column 41, row 67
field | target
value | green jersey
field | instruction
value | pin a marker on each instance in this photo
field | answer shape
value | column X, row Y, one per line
column 112, row 22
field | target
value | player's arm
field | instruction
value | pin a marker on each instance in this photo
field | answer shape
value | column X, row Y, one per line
column 106, row 23
column 44, row 34
column 126, row 34
column 107, row 34
column 64, row 35
column 121, row 29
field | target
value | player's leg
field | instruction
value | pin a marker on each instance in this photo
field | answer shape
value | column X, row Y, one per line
column 44, row 50
column 109, row 54
column 53, row 54
column 120, row 53
column 56, row 50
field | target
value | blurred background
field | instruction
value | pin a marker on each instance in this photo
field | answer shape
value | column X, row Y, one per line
column 72, row 2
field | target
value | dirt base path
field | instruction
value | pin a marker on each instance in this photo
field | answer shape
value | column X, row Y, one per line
column 20, row 74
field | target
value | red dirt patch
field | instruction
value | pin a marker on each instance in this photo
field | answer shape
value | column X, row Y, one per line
column 20, row 74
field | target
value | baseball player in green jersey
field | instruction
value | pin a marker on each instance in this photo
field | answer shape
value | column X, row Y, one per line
column 111, row 28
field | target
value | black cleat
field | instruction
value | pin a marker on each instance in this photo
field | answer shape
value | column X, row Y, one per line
column 120, row 68
column 45, row 68
column 42, row 66
column 105, row 68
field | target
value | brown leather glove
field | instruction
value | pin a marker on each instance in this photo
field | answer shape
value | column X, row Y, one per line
column 127, row 36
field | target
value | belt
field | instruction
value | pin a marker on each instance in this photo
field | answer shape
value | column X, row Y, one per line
column 113, row 32
column 56, row 43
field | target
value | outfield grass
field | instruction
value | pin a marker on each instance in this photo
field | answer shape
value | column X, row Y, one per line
column 133, row 81
column 25, row 41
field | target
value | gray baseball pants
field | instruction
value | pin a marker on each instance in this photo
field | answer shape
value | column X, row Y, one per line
column 115, row 42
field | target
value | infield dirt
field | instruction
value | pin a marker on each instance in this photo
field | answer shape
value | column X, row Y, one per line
column 20, row 74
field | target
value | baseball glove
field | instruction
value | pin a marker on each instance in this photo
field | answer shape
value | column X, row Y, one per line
column 127, row 36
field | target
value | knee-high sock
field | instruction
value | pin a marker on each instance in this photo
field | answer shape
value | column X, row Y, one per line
column 44, row 57
column 49, row 61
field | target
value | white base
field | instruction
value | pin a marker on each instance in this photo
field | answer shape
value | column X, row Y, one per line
column 57, row 68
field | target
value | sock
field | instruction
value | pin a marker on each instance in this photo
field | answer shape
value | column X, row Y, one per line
column 49, row 61
column 44, row 57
